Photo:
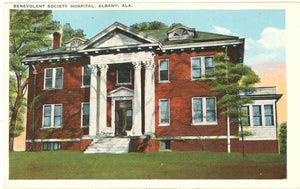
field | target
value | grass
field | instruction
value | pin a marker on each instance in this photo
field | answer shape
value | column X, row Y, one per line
column 154, row 165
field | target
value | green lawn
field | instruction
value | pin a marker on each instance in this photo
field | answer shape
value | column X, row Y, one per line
column 154, row 165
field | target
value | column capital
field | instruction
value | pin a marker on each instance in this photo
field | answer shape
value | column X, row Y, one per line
column 149, row 65
column 103, row 67
column 93, row 67
column 137, row 65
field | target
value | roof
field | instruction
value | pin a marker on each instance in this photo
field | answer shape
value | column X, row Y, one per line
column 53, row 51
column 162, row 37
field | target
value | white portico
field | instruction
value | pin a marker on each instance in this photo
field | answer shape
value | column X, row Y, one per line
column 119, row 45
column 99, row 87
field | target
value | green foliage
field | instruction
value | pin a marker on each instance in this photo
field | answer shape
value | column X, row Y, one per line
column 283, row 137
column 69, row 33
column 155, row 25
column 229, row 80
column 29, row 33
column 20, row 116
column 245, row 133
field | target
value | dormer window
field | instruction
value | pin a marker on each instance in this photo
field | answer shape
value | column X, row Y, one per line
column 74, row 43
column 181, row 33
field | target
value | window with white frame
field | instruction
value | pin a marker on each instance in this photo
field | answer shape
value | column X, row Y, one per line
column 269, row 116
column 164, row 70
column 52, row 115
column 259, row 115
column 164, row 112
column 124, row 73
column 200, row 66
column 53, row 78
column 165, row 145
column 85, row 114
column 204, row 110
column 86, row 76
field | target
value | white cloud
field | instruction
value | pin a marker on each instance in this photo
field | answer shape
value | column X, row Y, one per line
column 272, row 38
column 270, row 48
column 220, row 30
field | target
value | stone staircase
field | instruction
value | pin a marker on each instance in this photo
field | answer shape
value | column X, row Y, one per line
column 108, row 146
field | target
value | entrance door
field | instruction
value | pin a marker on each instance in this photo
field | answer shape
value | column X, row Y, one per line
column 123, row 116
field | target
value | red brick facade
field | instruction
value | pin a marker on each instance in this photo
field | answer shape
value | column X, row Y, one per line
column 179, row 90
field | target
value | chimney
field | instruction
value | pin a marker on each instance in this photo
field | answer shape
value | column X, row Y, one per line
column 56, row 40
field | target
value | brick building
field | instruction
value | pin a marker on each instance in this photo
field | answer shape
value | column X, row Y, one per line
column 125, row 90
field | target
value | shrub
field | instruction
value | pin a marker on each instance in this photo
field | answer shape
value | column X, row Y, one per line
column 282, row 137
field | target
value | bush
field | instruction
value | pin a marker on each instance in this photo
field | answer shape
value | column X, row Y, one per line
column 282, row 137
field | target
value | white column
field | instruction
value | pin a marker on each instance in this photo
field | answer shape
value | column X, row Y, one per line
column 228, row 136
column 93, row 100
column 103, row 98
column 137, row 101
column 149, row 98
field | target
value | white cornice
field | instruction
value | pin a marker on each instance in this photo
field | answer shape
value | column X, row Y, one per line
column 204, row 44
column 120, row 47
column 49, row 58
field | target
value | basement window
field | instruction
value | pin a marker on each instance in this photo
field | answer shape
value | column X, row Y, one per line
column 165, row 145
column 49, row 146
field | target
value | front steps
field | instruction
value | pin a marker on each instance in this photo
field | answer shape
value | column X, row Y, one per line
column 108, row 146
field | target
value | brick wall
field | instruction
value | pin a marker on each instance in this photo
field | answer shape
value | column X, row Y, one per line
column 180, row 91
column 71, row 97
column 255, row 146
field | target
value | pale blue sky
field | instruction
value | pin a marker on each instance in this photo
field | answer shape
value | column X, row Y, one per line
column 263, row 29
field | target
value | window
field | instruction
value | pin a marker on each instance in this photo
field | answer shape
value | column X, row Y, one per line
column 124, row 74
column 54, row 78
column 196, row 68
column 198, row 110
column 47, row 146
column 128, row 120
column 269, row 117
column 52, row 115
column 85, row 114
column 246, row 117
column 201, row 65
column 86, row 76
column 164, row 112
column 209, row 64
column 257, row 115
column 165, row 145
column 164, row 70
column 204, row 111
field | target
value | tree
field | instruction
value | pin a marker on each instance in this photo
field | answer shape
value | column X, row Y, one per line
column 29, row 32
column 229, row 80
column 20, row 119
column 155, row 25
column 282, row 137
column 69, row 33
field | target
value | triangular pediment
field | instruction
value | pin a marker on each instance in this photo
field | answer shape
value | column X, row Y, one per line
column 117, row 35
column 121, row 92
